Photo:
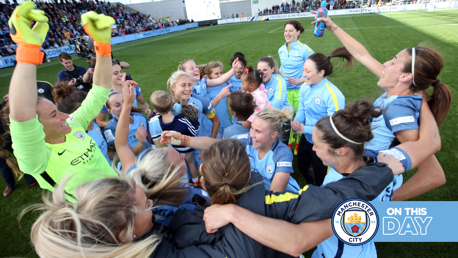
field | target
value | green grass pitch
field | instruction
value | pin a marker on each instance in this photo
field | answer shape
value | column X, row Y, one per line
column 152, row 61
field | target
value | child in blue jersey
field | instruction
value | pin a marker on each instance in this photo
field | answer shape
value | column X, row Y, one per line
column 241, row 106
column 68, row 99
column 412, row 71
column 235, row 79
column 276, row 89
column 252, row 83
column 269, row 156
column 165, row 120
column 139, row 139
column 116, row 85
column 318, row 98
column 217, row 96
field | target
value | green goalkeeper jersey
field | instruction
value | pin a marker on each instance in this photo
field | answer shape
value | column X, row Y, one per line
column 78, row 157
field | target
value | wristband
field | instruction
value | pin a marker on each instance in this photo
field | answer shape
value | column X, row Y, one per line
column 29, row 54
column 102, row 49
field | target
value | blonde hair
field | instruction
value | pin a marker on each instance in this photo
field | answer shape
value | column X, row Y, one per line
column 161, row 101
column 174, row 78
column 181, row 65
column 105, row 208
column 161, row 182
column 275, row 117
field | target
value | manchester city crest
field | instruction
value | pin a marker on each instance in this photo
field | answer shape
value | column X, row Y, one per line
column 269, row 169
column 79, row 135
column 355, row 222
column 271, row 90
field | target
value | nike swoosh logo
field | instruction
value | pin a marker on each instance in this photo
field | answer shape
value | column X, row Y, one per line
column 60, row 153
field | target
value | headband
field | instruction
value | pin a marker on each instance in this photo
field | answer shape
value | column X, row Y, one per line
column 339, row 134
column 413, row 66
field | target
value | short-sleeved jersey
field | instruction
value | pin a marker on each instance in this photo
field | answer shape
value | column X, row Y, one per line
column 205, row 110
column 292, row 59
column 316, row 102
column 98, row 137
column 179, row 124
column 278, row 160
column 220, row 109
column 236, row 83
column 201, row 88
column 276, row 92
column 138, row 92
column 78, row 155
column 400, row 113
column 139, row 121
column 235, row 129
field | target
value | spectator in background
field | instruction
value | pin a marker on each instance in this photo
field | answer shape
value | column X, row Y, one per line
column 71, row 72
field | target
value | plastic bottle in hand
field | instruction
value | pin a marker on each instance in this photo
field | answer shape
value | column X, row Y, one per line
column 319, row 26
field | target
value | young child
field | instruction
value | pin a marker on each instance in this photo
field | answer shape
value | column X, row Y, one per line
column 186, row 123
column 217, row 96
column 241, row 107
column 251, row 82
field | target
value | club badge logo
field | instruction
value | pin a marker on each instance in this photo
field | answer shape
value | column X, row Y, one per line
column 79, row 135
column 355, row 222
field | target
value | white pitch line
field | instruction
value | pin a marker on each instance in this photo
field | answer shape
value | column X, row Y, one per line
column 156, row 38
column 400, row 26
column 276, row 29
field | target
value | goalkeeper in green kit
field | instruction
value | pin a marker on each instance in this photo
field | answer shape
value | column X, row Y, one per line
column 51, row 145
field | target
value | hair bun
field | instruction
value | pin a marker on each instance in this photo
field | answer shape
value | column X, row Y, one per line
column 239, row 54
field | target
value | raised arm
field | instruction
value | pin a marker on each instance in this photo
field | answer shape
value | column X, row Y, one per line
column 98, row 27
column 356, row 49
column 225, row 77
column 430, row 174
column 22, row 91
column 125, row 153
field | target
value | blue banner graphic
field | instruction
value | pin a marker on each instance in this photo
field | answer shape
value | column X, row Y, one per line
column 417, row 221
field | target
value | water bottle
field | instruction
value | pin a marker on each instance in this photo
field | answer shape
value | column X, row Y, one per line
column 319, row 26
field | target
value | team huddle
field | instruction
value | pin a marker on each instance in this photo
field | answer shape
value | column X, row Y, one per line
column 240, row 130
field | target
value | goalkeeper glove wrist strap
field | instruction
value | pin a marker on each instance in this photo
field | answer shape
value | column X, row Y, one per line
column 29, row 54
column 102, row 49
